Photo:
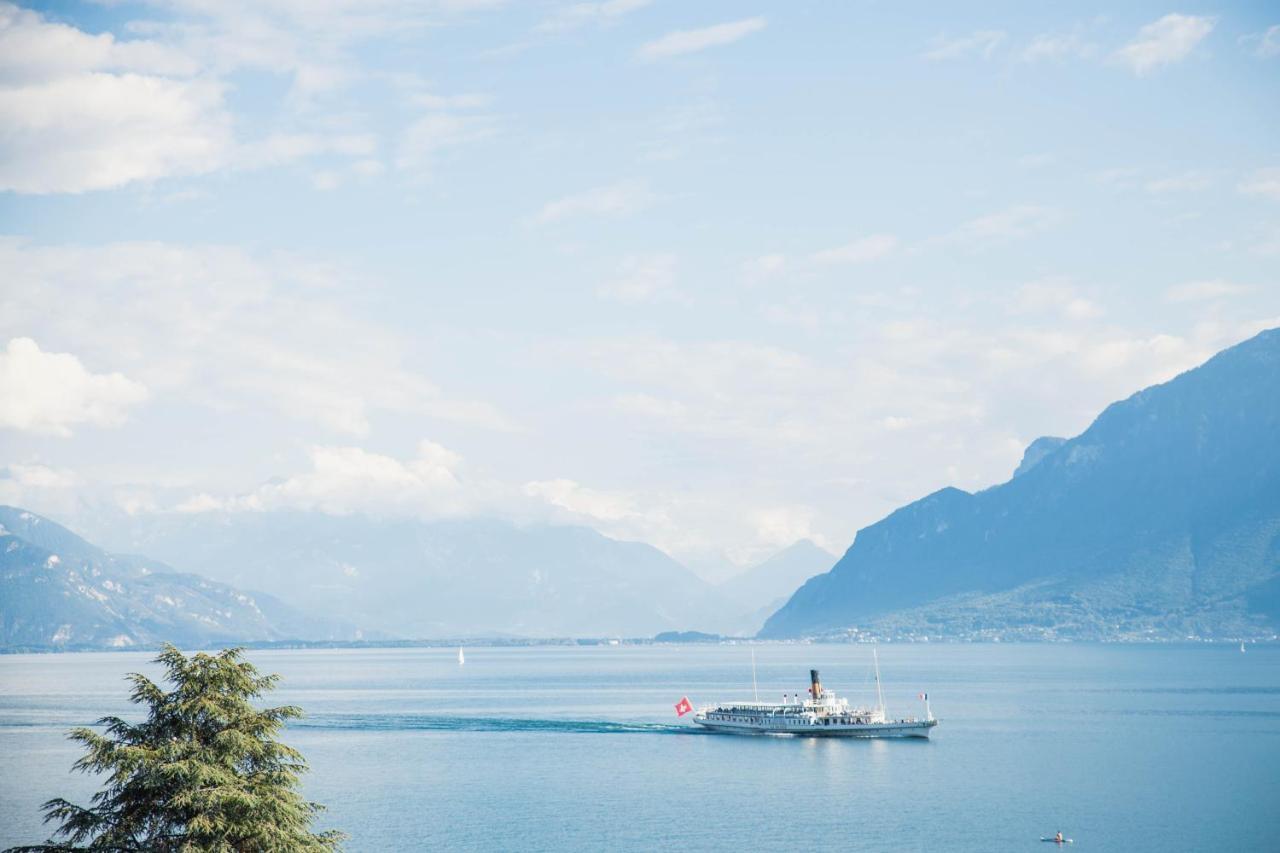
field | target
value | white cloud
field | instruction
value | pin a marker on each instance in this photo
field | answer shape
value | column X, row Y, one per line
column 423, row 141
column 33, row 48
column 579, row 500
column 368, row 167
column 800, row 315
column 53, row 491
column 894, row 422
column 1185, row 182
column 981, row 43
column 1055, row 296
column 1201, row 291
column 87, row 112
column 326, row 180
column 39, row 476
column 1013, row 223
column 1168, row 355
column 465, row 101
column 1120, row 176
column 202, row 502
column 312, row 43
column 347, row 18
column 778, row 527
column 746, row 391
column 859, row 251
column 434, row 482
column 277, row 149
column 1056, row 48
column 45, row 392
column 684, row 526
column 612, row 200
column 1266, row 241
column 100, row 131
column 764, row 267
column 344, row 480
column 226, row 330
column 1264, row 182
column 642, row 278
column 648, row 406
column 1163, row 42
column 691, row 41
column 576, row 15
column 1036, row 161
column 1267, row 42
column 703, row 531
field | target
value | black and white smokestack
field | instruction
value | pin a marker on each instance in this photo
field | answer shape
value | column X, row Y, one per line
column 815, row 685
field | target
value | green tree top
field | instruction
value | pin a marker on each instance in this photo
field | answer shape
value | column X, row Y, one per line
column 203, row 772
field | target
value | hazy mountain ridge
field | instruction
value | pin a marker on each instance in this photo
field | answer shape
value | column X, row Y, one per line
column 1161, row 519
column 760, row 590
column 452, row 578
column 59, row 591
column 392, row 577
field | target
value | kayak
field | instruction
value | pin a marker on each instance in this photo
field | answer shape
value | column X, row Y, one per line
column 1056, row 841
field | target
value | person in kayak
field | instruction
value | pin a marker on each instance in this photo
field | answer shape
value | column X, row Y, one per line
column 1058, row 837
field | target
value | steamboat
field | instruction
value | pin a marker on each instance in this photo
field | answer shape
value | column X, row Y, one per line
column 819, row 714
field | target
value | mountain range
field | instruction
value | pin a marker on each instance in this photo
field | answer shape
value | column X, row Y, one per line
column 59, row 591
column 1161, row 520
column 349, row 577
column 453, row 578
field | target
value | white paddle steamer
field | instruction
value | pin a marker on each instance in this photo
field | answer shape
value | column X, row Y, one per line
column 820, row 714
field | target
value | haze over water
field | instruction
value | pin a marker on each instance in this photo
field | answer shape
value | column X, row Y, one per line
column 577, row 748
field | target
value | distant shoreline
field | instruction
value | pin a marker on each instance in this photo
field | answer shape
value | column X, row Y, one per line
column 571, row 642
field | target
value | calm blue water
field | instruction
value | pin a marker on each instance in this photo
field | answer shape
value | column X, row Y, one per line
column 1124, row 748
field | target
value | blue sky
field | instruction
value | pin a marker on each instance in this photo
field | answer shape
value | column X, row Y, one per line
column 715, row 276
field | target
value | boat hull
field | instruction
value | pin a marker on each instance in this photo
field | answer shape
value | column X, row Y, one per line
column 903, row 729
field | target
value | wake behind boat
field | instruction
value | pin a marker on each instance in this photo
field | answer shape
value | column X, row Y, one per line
column 821, row 714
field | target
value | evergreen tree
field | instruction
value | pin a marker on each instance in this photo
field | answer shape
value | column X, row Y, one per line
column 202, row 772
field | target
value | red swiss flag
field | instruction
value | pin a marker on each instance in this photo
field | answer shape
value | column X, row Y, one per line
column 683, row 707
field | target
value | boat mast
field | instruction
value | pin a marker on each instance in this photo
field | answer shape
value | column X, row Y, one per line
column 755, row 689
column 879, row 694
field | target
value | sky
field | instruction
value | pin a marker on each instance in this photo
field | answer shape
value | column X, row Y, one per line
column 713, row 276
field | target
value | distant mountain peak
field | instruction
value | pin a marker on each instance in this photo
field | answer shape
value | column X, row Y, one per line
column 759, row 590
column 800, row 546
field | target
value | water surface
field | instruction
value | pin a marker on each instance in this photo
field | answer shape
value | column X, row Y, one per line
column 577, row 748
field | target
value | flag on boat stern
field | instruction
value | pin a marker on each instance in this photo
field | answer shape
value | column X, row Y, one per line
column 683, row 707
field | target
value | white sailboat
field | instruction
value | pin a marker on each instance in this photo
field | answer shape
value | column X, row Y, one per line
column 1242, row 647
column 461, row 657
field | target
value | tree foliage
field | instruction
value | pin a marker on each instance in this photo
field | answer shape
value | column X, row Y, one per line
column 203, row 772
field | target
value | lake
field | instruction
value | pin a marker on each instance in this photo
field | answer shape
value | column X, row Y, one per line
column 1124, row 748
